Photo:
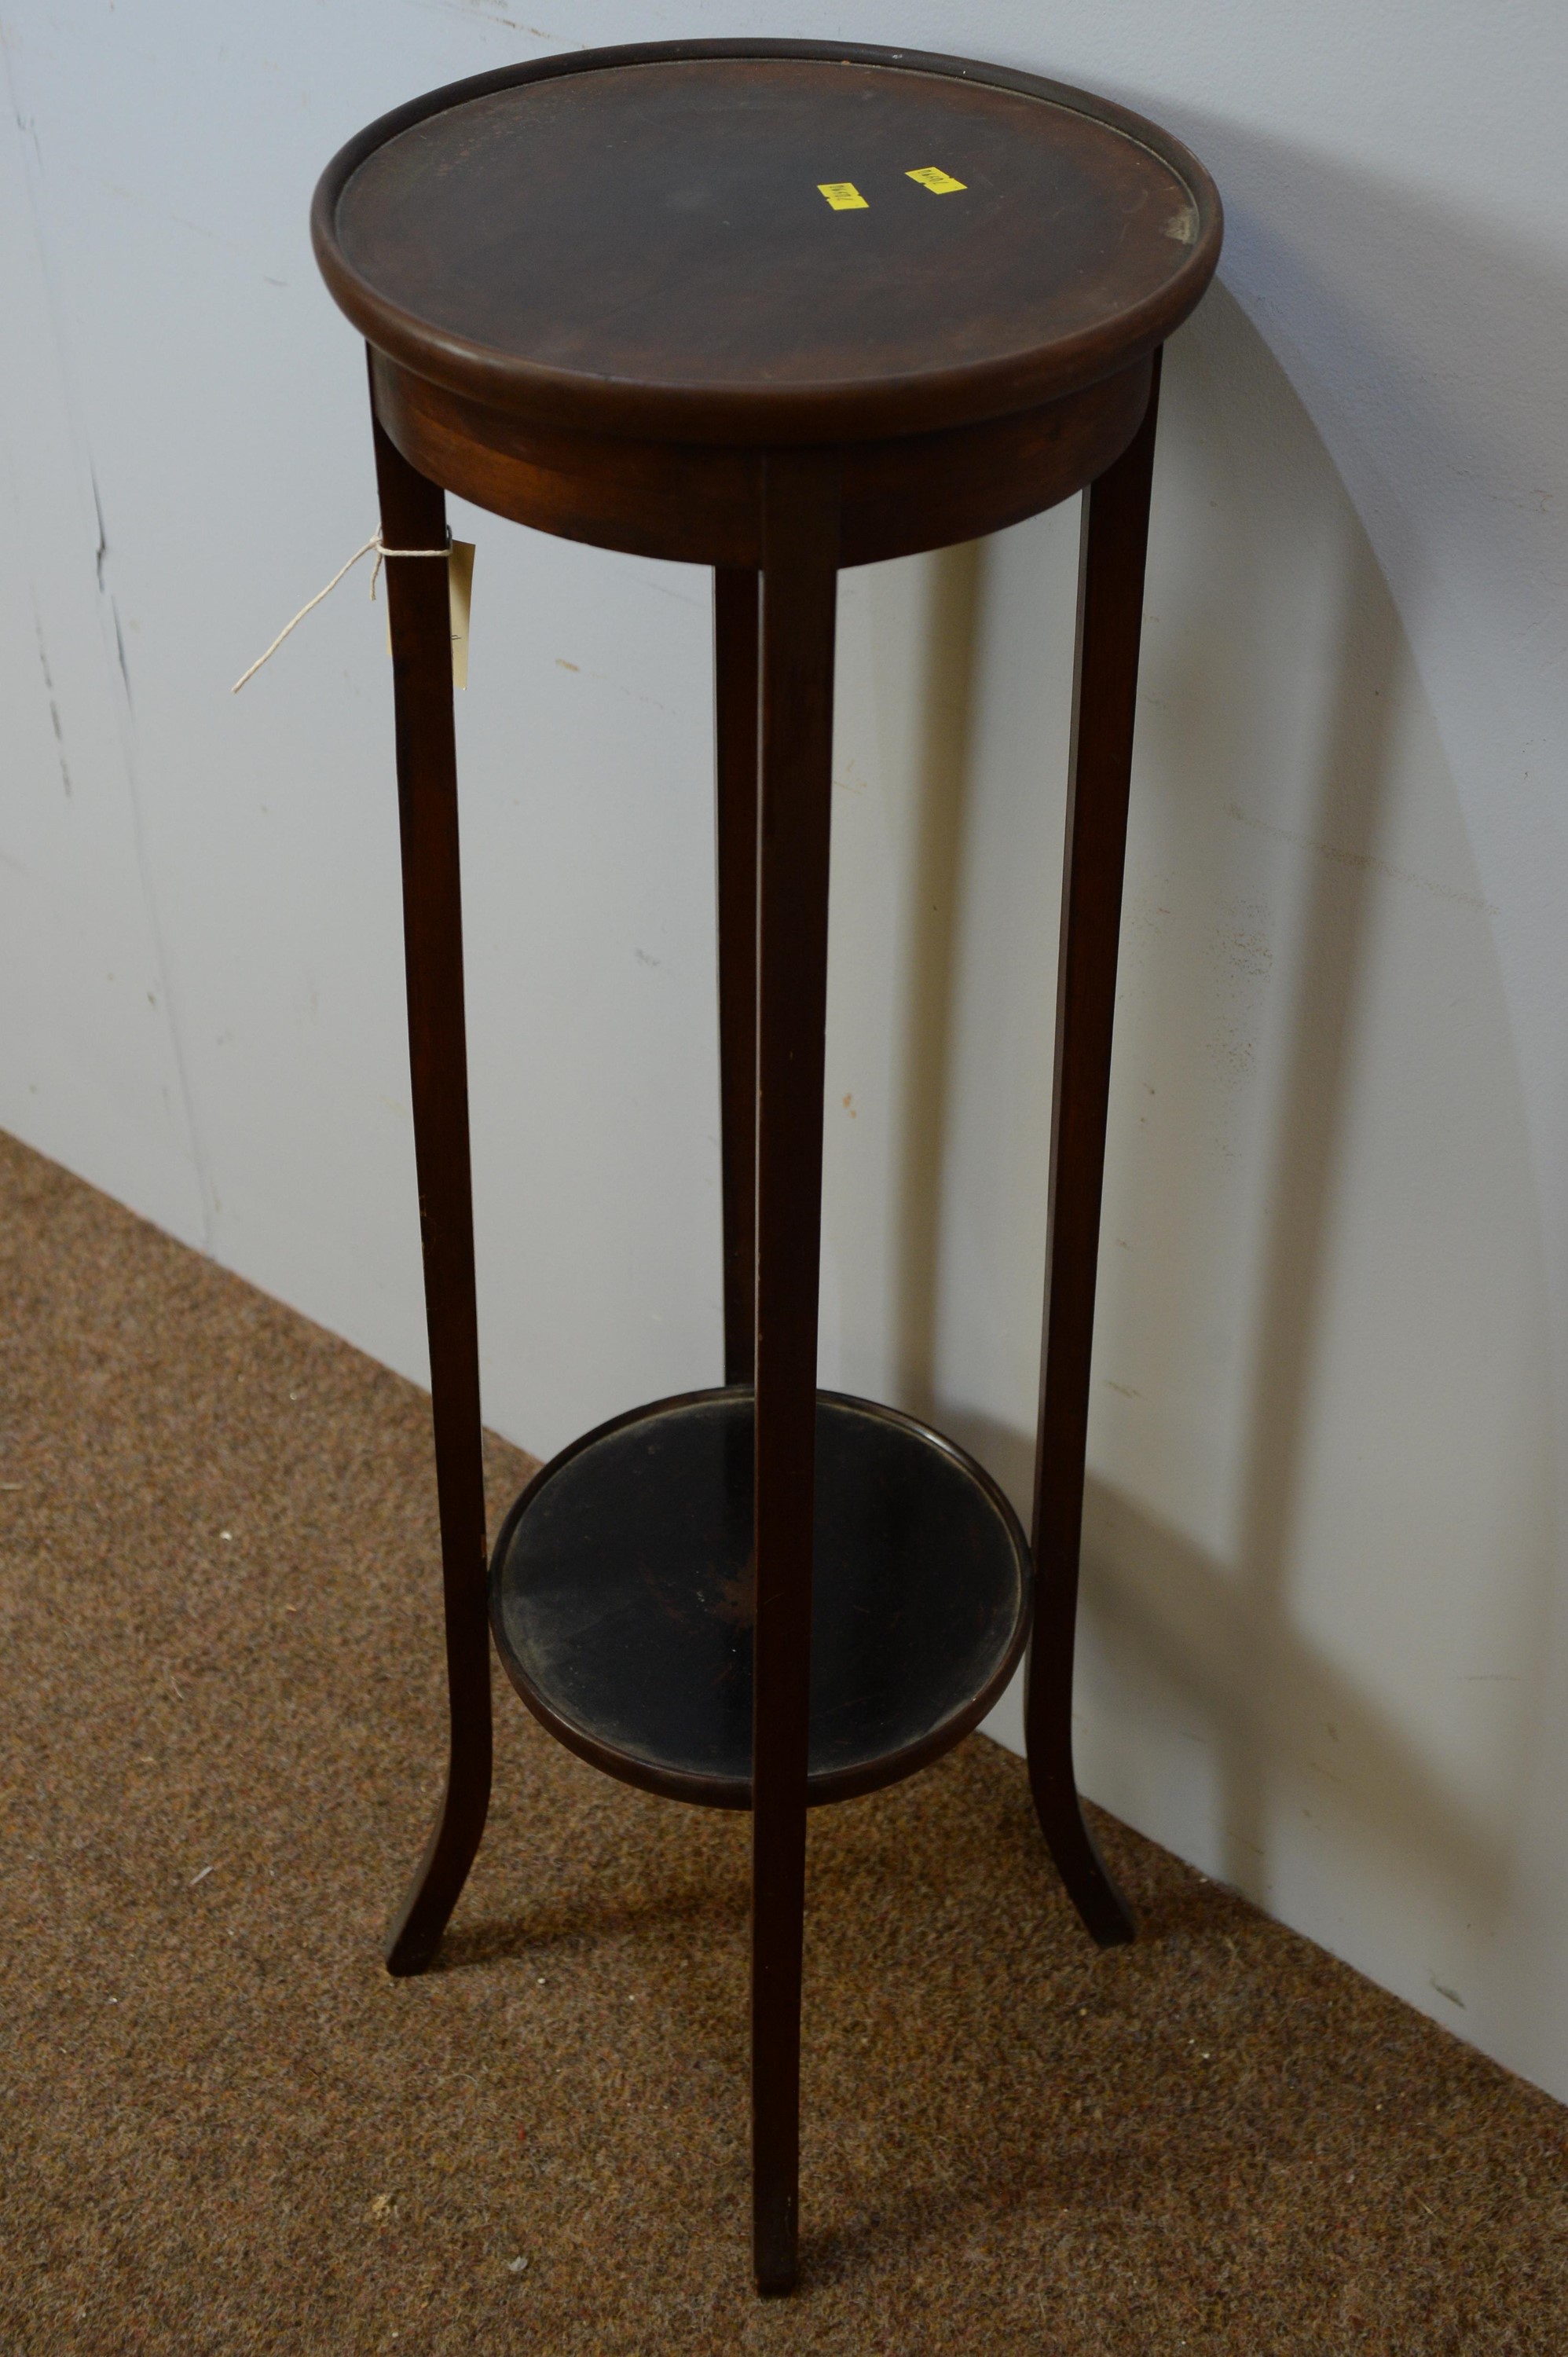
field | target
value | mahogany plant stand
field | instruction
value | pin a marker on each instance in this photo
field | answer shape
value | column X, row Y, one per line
column 775, row 308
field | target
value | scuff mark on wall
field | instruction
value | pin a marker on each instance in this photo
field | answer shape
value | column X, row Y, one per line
column 1366, row 861
column 103, row 589
column 102, row 549
column 64, row 393
column 54, row 706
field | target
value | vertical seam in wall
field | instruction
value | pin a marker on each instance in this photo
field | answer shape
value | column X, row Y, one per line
column 114, row 656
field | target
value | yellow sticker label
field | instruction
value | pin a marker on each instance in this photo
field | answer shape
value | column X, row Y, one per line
column 939, row 182
column 844, row 195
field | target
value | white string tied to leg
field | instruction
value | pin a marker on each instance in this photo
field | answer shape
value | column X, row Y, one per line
column 383, row 551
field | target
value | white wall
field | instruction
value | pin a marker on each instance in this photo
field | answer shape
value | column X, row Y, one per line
column 1326, row 1649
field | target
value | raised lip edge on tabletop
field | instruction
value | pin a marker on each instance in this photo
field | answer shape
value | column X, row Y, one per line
column 721, row 1791
column 922, row 402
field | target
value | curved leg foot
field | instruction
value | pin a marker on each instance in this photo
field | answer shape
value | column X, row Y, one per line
column 1088, row 1881
column 415, row 1931
column 1109, row 618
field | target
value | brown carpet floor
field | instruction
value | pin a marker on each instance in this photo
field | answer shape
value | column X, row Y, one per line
column 227, row 2130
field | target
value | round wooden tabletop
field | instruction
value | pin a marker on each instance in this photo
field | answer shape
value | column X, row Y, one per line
column 751, row 240
column 623, row 1596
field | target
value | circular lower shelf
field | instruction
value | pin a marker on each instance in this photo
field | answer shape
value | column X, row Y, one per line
column 621, row 1596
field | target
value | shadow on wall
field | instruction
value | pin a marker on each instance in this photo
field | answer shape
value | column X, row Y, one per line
column 934, row 947
column 1319, row 1543
column 1198, row 1633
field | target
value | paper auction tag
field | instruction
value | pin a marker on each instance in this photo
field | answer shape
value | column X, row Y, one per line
column 844, row 195
column 459, row 598
column 460, row 590
column 939, row 182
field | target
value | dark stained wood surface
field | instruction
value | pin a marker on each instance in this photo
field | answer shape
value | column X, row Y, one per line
column 607, row 295
column 702, row 504
column 799, row 587
column 638, row 241
column 1105, row 692
column 414, row 516
column 623, row 1596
